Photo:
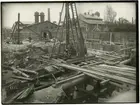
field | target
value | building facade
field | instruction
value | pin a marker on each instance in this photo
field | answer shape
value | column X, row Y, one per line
column 38, row 31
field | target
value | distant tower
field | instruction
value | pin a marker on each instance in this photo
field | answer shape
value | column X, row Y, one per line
column 42, row 17
column 49, row 14
column 36, row 17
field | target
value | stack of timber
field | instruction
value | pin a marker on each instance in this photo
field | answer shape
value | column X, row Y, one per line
column 114, row 74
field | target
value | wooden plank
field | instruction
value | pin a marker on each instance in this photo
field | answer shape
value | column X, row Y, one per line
column 94, row 76
column 48, row 75
column 115, row 78
column 44, row 86
column 69, row 79
column 121, row 68
column 104, row 81
column 96, row 63
column 126, row 61
column 22, row 78
column 128, row 48
column 28, row 71
column 126, row 66
column 81, row 59
column 14, row 98
column 101, row 78
column 116, row 69
column 26, row 92
column 114, row 72
column 74, row 82
column 16, row 71
column 111, row 63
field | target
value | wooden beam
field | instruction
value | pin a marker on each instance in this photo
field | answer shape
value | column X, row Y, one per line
column 22, row 78
column 74, row 82
column 115, row 68
column 18, row 29
column 69, row 79
column 16, row 71
column 103, row 70
column 108, row 76
column 80, row 59
column 102, row 79
column 28, row 71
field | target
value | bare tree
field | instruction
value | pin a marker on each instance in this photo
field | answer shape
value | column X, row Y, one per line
column 110, row 14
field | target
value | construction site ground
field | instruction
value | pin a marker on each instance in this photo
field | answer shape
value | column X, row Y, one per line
column 30, row 70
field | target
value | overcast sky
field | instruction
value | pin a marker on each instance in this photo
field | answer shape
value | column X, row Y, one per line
column 10, row 10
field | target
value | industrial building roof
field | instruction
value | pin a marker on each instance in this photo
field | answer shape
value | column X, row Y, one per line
column 95, row 17
column 40, row 23
column 27, row 22
column 90, row 19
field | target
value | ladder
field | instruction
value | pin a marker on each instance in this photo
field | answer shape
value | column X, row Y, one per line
column 79, row 34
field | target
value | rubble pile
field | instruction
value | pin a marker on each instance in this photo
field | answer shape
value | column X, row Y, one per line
column 38, row 77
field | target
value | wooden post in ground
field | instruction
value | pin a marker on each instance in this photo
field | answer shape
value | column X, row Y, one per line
column 18, row 29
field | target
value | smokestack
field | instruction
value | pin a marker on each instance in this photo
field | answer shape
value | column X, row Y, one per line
column 42, row 17
column 36, row 17
column 49, row 14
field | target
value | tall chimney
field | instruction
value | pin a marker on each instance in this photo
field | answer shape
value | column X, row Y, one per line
column 36, row 17
column 49, row 14
column 42, row 17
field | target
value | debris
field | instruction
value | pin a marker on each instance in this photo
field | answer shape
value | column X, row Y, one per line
column 16, row 71
column 15, row 97
column 65, row 71
column 26, row 93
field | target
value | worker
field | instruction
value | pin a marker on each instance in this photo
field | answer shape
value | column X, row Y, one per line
column 133, row 58
column 72, row 50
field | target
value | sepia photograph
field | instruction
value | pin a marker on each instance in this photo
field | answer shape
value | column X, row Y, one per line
column 69, row 52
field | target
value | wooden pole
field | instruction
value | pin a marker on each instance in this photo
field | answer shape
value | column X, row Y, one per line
column 67, row 24
column 18, row 29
